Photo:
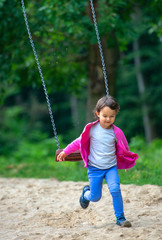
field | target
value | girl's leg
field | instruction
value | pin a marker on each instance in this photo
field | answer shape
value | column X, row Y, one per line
column 95, row 177
column 112, row 179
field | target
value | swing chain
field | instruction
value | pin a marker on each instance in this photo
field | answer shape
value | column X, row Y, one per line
column 40, row 71
column 100, row 47
column 41, row 75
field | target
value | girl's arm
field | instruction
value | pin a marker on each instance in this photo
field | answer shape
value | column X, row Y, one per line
column 72, row 147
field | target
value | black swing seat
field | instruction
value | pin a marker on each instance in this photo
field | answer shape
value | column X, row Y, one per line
column 73, row 157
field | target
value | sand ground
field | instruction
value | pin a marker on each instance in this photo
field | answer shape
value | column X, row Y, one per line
column 47, row 209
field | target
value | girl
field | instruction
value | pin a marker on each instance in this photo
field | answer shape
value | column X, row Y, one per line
column 104, row 149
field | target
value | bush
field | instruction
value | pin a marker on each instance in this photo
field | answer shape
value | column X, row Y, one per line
column 36, row 159
column 148, row 167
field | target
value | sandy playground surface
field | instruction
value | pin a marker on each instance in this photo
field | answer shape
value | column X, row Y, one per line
column 47, row 209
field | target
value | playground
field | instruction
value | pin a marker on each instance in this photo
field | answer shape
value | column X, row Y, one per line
column 58, row 58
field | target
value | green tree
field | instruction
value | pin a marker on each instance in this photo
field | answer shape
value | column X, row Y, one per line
column 65, row 39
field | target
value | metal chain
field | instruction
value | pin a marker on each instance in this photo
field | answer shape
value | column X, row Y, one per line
column 41, row 75
column 40, row 71
column 100, row 47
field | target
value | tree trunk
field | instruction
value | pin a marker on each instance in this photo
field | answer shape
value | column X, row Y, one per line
column 75, row 113
column 148, row 128
column 96, row 85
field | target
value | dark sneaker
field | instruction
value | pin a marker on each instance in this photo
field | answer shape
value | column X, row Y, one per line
column 84, row 202
column 123, row 222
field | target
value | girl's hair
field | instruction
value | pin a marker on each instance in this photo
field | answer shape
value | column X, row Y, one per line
column 107, row 101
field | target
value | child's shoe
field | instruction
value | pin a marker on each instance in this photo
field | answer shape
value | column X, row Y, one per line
column 123, row 222
column 84, row 202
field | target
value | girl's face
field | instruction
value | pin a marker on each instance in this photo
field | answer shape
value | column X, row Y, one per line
column 107, row 117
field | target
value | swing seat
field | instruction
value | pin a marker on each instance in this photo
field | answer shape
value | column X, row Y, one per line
column 73, row 157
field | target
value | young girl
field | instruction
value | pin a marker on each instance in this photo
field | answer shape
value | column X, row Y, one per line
column 104, row 149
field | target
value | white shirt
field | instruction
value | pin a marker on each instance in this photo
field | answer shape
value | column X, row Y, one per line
column 102, row 147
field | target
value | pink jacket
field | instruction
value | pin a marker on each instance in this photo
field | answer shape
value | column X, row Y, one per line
column 125, row 158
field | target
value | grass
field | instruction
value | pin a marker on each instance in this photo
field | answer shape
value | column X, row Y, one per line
column 37, row 160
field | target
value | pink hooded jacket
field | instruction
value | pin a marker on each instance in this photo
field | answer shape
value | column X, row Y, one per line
column 125, row 158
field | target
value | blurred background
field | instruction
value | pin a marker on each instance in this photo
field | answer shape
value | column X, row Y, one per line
column 66, row 45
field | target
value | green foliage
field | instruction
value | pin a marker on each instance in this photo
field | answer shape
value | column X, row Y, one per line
column 30, row 159
column 63, row 34
column 11, row 44
column 12, row 129
column 30, row 120
column 148, row 169
column 127, row 88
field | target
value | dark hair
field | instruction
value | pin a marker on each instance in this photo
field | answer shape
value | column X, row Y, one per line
column 107, row 101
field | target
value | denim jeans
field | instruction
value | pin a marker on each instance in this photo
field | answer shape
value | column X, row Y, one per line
column 111, row 176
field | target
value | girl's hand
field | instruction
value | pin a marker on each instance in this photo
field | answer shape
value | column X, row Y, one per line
column 126, row 170
column 61, row 157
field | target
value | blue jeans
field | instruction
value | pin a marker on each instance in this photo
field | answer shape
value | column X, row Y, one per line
column 111, row 176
